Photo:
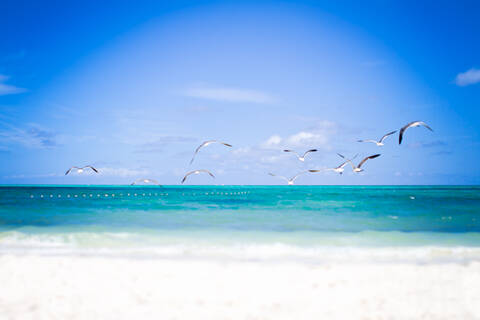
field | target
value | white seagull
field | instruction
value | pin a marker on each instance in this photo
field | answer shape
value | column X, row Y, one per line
column 206, row 143
column 145, row 181
column 81, row 169
column 357, row 168
column 338, row 169
column 197, row 172
column 379, row 142
column 411, row 125
column 301, row 158
column 290, row 181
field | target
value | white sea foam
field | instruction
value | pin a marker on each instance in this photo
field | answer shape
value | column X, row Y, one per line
column 336, row 248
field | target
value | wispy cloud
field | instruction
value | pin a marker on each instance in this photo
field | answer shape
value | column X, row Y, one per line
column 230, row 94
column 469, row 77
column 7, row 88
column 33, row 136
column 33, row 176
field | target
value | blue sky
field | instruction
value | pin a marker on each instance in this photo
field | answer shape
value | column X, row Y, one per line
column 133, row 89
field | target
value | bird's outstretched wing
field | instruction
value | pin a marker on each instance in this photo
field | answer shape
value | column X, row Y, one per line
column 343, row 157
column 298, row 174
column 292, row 151
column 369, row 140
column 68, row 171
column 206, row 143
column 348, row 160
column 411, row 124
column 276, row 175
column 196, row 172
column 206, row 171
column 343, row 164
column 369, row 157
column 386, row 135
column 308, row 151
column 91, row 167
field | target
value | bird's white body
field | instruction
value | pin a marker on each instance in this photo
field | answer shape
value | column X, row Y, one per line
column 339, row 170
column 378, row 143
column 301, row 157
column 81, row 169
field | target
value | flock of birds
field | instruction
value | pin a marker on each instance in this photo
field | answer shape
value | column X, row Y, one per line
column 290, row 181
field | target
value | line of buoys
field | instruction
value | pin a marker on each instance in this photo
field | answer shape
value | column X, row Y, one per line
column 106, row 195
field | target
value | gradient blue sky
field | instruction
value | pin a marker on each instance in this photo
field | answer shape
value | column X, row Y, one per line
column 133, row 89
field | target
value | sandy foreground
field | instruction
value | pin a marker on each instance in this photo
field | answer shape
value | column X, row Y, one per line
column 66, row 287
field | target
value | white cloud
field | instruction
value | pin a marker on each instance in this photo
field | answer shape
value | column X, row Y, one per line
column 230, row 94
column 469, row 77
column 8, row 89
column 305, row 138
column 318, row 136
column 272, row 142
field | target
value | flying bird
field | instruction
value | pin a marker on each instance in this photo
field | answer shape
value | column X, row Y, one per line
column 197, row 172
column 379, row 142
column 301, row 158
column 145, row 181
column 206, row 143
column 357, row 168
column 338, row 169
column 290, row 181
column 411, row 125
column 81, row 169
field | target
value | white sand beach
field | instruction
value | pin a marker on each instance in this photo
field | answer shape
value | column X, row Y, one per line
column 36, row 286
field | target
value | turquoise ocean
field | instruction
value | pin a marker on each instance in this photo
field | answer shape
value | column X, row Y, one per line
column 244, row 222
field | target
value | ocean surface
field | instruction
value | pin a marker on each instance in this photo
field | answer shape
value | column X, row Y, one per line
column 245, row 222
